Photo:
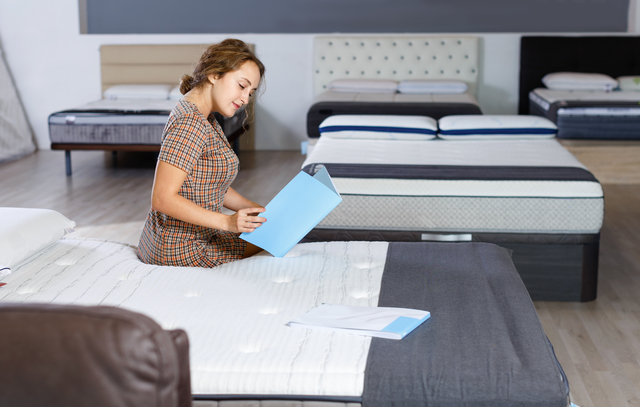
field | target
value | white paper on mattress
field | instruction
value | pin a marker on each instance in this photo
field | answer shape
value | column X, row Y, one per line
column 234, row 314
column 548, row 152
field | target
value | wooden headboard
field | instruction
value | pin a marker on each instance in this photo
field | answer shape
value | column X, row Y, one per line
column 539, row 55
column 395, row 57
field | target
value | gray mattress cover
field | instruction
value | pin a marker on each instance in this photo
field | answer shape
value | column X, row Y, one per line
column 483, row 344
column 587, row 118
column 132, row 122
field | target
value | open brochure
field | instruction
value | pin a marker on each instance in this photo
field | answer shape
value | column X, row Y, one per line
column 297, row 209
column 382, row 322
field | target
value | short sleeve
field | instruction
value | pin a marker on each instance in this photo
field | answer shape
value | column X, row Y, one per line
column 184, row 141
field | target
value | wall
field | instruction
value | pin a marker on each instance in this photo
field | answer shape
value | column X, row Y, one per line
column 56, row 68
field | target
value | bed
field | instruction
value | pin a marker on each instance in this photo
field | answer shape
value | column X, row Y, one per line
column 523, row 192
column 348, row 71
column 482, row 345
column 139, row 85
column 584, row 110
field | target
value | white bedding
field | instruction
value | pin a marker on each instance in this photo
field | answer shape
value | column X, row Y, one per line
column 235, row 314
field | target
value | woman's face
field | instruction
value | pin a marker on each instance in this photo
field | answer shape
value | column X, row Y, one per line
column 232, row 90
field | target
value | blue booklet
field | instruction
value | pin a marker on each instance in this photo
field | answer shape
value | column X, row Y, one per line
column 297, row 209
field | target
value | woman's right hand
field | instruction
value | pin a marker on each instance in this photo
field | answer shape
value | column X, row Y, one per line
column 245, row 220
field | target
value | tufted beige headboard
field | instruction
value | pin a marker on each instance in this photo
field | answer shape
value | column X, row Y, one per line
column 397, row 58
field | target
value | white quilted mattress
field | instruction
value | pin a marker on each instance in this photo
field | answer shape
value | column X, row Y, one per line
column 235, row 314
column 495, row 206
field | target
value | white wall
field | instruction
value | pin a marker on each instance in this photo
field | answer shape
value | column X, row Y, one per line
column 56, row 68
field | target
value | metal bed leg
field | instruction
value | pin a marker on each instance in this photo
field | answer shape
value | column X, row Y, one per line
column 67, row 161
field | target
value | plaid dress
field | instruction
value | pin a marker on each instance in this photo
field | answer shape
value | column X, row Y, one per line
column 198, row 147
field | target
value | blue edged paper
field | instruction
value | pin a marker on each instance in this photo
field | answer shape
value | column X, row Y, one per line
column 382, row 322
column 297, row 209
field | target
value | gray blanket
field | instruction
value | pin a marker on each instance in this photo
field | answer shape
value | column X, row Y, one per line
column 483, row 345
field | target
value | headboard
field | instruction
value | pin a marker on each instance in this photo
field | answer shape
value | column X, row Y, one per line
column 151, row 63
column 539, row 55
column 397, row 58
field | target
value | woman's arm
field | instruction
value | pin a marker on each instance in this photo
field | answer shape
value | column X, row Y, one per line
column 234, row 201
column 165, row 198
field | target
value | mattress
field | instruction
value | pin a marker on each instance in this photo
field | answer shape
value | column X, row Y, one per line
column 589, row 115
column 433, row 105
column 120, row 122
column 235, row 317
column 475, row 186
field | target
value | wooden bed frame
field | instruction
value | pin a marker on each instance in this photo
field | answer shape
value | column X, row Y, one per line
column 148, row 64
column 611, row 161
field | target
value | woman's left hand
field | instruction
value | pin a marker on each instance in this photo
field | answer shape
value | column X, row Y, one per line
column 245, row 220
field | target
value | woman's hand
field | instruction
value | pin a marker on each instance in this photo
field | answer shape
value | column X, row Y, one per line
column 245, row 220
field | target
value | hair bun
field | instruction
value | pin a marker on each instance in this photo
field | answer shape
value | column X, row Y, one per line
column 186, row 84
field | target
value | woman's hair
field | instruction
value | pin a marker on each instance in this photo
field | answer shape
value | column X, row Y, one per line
column 218, row 59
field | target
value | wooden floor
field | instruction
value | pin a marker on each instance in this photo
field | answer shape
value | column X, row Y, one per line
column 597, row 343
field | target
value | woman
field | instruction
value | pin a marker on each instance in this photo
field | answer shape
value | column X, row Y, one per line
column 196, row 167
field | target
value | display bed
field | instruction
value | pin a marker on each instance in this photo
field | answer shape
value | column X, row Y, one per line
column 589, row 115
column 121, row 125
column 235, row 316
column 531, row 196
column 581, row 115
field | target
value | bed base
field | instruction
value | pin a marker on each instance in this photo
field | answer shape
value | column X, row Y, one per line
column 552, row 267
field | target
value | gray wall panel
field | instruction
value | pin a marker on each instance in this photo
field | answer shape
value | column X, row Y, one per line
column 353, row 16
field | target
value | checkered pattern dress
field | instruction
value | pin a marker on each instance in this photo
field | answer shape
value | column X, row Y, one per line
column 198, row 147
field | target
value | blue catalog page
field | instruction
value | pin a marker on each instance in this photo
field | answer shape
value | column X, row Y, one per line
column 297, row 209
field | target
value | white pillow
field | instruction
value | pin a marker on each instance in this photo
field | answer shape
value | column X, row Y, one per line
column 432, row 86
column 364, row 86
column 629, row 83
column 466, row 127
column 175, row 94
column 137, row 92
column 579, row 81
column 380, row 127
column 25, row 231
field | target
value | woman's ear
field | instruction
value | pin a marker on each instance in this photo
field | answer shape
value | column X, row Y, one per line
column 213, row 77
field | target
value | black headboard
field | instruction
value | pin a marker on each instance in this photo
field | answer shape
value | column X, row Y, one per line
column 612, row 55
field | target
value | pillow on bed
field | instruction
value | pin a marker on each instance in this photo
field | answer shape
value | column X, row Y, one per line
column 432, row 86
column 25, row 231
column 138, row 92
column 363, row 86
column 579, row 81
column 175, row 94
column 382, row 127
column 466, row 127
column 629, row 83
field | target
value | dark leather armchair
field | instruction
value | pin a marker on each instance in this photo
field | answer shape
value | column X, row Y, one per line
column 58, row 355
